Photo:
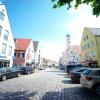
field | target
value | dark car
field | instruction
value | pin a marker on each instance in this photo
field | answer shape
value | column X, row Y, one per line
column 6, row 73
column 71, row 66
column 26, row 70
column 75, row 74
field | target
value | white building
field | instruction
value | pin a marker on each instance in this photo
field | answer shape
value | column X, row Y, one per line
column 36, row 52
column 74, row 54
column 6, row 39
column 71, row 56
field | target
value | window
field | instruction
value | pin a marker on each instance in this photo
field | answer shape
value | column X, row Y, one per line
column 3, row 49
column 84, row 38
column 88, row 45
column 87, row 37
column 14, row 54
column 92, row 43
column 10, row 51
column 93, row 53
column 2, row 16
column 21, row 54
column 6, row 35
column 0, row 30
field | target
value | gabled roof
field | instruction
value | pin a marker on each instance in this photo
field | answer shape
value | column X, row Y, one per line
column 22, row 44
column 78, row 49
column 95, row 31
column 35, row 44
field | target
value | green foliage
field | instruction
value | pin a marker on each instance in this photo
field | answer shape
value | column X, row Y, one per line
column 95, row 4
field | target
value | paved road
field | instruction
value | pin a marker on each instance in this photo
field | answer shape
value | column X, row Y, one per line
column 49, row 84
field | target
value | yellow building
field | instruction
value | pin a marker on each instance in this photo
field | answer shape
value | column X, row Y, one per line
column 90, row 44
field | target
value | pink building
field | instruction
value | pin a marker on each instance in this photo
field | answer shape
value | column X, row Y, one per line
column 24, row 52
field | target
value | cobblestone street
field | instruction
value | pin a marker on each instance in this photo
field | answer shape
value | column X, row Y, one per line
column 48, row 84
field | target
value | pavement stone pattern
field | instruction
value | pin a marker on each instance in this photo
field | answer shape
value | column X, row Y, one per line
column 48, row 84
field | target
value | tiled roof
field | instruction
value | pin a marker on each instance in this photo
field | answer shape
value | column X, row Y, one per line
column 78, row 49
column 22, row 44
column 95, row 31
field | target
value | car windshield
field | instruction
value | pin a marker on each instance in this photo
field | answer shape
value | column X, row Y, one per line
column 2, row 70
column 87, row 72
column 75, row 68
column 80, row 70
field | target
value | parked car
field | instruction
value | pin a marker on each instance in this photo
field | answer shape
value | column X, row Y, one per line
column 62, row 67
column 6, row 73
column 26, row 70
column 90, row 79
column 71, row 66
column 42, row 68
column 76, row 73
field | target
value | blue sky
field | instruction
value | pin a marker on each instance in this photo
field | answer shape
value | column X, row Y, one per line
column 37, row 19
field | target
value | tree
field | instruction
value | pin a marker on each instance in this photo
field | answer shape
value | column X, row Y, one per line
column 95, row 4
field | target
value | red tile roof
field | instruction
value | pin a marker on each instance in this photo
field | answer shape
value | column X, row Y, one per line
column 22, row 44
column 78, row 49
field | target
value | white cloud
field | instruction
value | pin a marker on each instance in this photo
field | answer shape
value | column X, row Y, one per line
column 51, row 50
column 84, row 19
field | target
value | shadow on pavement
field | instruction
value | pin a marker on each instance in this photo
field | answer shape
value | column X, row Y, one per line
column 62, row 74
column 56, row 71
column 72, row 93
column 79, row 93
column 69, row 82
column 19, row 95
column 51, row 96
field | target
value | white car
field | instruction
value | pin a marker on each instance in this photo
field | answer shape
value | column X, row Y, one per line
column 90, row 79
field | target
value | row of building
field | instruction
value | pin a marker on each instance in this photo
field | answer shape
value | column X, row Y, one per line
column 14, row 52
column 19, row 51
column 87, row 52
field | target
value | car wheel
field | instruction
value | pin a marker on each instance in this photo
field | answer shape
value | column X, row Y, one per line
column 97, row 89
column 4, row 77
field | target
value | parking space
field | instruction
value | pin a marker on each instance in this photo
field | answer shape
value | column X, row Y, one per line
column 48, row 84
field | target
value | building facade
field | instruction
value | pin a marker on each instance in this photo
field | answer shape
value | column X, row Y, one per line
column 36, row 53
column 70, row 56
column 24, row 52
column 6, row 39
column 90, row 45
column 74, row 54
